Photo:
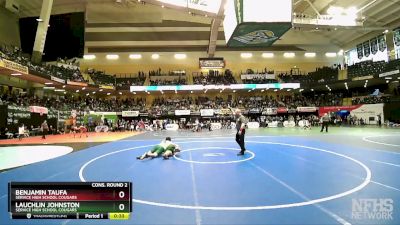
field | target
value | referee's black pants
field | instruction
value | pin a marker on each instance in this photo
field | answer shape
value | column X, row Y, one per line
column 240, row 140
column 324, row 125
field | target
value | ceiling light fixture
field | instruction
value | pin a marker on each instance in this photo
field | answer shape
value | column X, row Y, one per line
column 180, row 56
column 89, row 57
column 267, row 55
column 135, row 56
column 112, row 57
column 289, row 54
column 246, row 55
column 310, row 54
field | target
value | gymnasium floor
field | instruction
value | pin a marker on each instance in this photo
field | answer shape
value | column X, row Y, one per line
column 288, row 176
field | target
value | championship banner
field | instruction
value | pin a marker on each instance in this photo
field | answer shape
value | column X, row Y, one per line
column 282, row 110
column 256, row 23
column 14, row 66
column 77, row 83
column 360, row 52
column 374, row 45
column 382, row 43
column 258, row 76
column 108, row 87
column 270, row 111
column 38, row 109
column 182, row 112
column 56, row 79
column 207, row 112
column 130, row 113
column 396, row 36
column 367, row 48
column 307, row 109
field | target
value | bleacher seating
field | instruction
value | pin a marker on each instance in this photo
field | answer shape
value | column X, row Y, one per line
column 214, row 77
column 101, row 78
column 366, row 68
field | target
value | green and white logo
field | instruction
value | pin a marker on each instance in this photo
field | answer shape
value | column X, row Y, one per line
column 257, row 37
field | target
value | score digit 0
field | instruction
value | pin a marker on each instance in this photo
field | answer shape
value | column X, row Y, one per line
column 121, row 194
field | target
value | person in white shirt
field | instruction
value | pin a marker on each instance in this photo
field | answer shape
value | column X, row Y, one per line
column 21, row 131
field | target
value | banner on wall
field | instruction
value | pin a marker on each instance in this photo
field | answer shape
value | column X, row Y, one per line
column 363, row 78
column 56, row 79
column 211, row 63
column 182, row 112
column 101, row 113
column 130, row 113
column 396, row 36
column 223, row 111
column 367, row 48
column 282, row 110
column 207, row 112
column 390, row 73
column 258, row 76
column 254, row 111
column 307, row 109
column 374, row 45
column 81, row 84
column 108, row 87
column 328, row 109
column 270, row 111
column 14, row 66
column 381, row 43
column 360, row 52
column 38, row 109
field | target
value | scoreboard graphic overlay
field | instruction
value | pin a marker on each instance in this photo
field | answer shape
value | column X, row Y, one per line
column 70, row 200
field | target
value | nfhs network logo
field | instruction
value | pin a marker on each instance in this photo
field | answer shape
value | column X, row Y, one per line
column 372, row 209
